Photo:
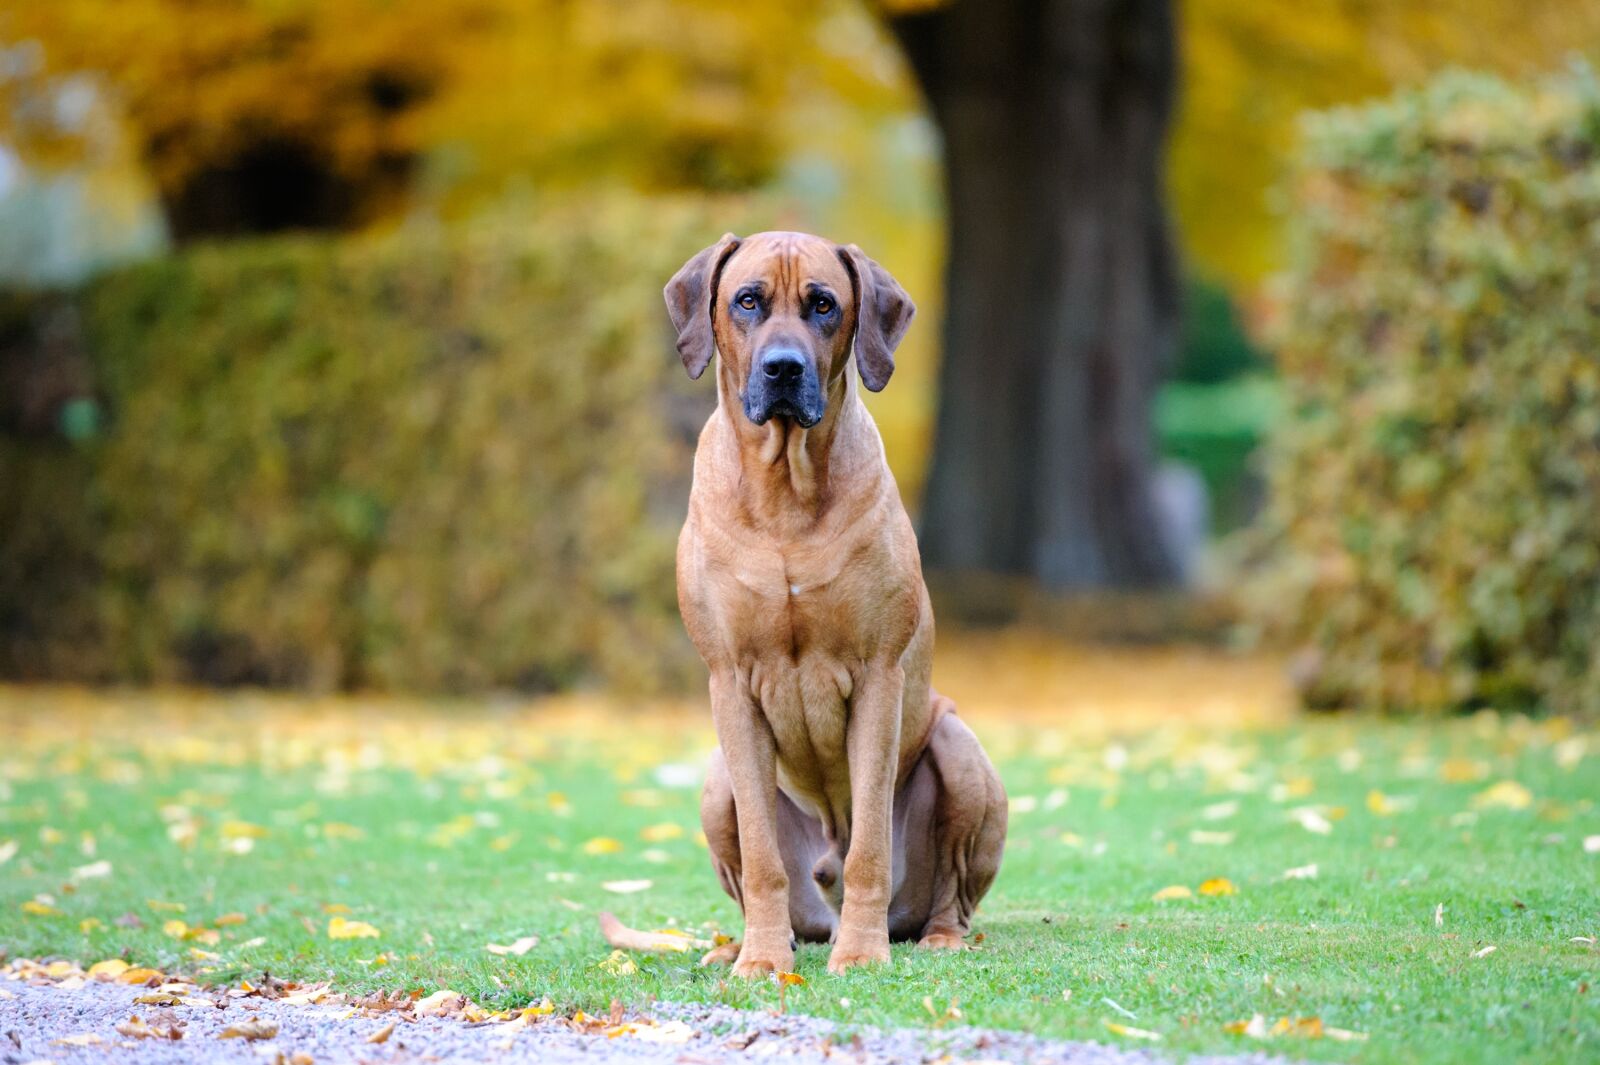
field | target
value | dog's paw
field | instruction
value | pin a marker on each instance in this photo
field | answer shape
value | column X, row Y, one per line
column 726, row 954
column 755, row 963
column 849, row 951
column 940, row 940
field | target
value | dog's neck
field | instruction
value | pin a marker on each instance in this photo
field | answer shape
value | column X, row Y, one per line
column 785, row 470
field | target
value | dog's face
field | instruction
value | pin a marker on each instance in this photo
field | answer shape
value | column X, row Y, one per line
column 783, row 310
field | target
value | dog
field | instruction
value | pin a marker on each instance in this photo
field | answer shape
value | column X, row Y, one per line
column 846, row 801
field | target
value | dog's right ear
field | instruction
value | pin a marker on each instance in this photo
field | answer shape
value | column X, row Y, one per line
column 690, row 295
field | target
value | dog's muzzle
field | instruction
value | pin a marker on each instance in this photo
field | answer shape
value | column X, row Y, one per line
column 783, row 384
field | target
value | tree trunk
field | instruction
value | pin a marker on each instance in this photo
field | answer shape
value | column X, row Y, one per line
column 1062, row 295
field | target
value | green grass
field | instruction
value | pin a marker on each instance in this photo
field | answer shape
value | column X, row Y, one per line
column 472, row 822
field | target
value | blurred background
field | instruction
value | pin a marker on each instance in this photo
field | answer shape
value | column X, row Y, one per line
column 332, row 354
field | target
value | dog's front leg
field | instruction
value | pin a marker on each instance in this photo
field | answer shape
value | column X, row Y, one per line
column 752, row 761
column 872, row 743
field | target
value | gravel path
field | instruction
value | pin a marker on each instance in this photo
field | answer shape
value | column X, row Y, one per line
column 34, row 1019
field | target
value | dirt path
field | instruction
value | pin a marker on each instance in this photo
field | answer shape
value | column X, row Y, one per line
column 69, row 1026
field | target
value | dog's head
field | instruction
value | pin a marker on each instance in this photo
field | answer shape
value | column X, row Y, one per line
column 784, row 310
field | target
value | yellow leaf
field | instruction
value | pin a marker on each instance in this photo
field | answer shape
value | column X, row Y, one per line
column 1506, row 795
column 1462, row 770
column 1379, row 803
column 382, row 1034
column 543, row 1009
column 1219, row 885
column 140, row 976
column 39, row 909
column 662, row 832
column 789, row 979
column 602, row 845
column 229, row 919
column 87, row 1039
column 341, row 928
column 175, row 928
column 90, row 924
column 618, row 964
column 1174, row 891
column 109, row 969
column 627, row 887
column 1132, row 1033
column 243, row 830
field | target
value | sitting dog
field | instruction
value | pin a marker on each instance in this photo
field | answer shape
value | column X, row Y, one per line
column 846, row 801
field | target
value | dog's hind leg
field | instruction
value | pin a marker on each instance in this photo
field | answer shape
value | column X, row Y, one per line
column 969, row 830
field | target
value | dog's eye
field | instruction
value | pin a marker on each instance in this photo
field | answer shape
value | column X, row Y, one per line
column 748, row 301
column 823, row 306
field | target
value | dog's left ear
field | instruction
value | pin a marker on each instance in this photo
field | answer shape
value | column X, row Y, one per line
column 690, row 295
column 883, row 314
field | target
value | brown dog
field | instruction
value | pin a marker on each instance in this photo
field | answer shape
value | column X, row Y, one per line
column 847, row 801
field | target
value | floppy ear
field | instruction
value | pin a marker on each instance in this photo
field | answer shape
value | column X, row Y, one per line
column 883, row 314
column 689, row 295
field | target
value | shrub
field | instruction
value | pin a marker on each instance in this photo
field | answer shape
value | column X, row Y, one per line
column 1435, row 478
column 434, row 460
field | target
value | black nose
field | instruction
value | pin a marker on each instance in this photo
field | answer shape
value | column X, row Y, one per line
column 783, row 366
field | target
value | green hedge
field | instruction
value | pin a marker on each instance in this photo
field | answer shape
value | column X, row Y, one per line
column 436, row 460
column 1436, row 475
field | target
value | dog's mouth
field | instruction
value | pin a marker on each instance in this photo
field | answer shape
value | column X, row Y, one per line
column 788, row 408
column 784, row 408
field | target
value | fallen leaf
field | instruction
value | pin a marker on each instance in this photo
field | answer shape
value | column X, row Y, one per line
column 140, row 976
column 251, row 1029
column 519, row 948
column 627, row 887
column 602, row 845
column 242, row 830
column 1591, row 844
column 92, row 871
column 1174, row 891
column 341, row 928
column 618, row 964
column 109, row 969
column 661, row 1032
column 229, row 919
column 1132, row 1033
column 137, row 1028
column 441, row 1003
column 662, row 832
column 382, row 1034
column 1506, row 795
column 1254, row 1028
column 1311, row 820
column 8, row 851
column 1485, row 952
column 1438, row 916
column 1301, row 872
column 1219, row 885
column 789, row 979
column 1211, row 839
column 35, row 908
column 87, row 1039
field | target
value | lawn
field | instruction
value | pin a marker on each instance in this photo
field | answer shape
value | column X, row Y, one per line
column 1443, row 877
